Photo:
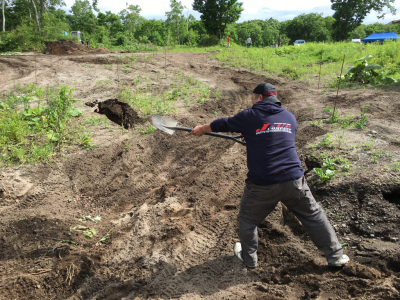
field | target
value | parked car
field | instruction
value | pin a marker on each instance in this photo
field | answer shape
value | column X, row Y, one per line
column 358, row 41
column 76, row 34
column 299, row 42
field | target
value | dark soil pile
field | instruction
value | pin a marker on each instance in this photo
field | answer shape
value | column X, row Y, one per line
column 71, row 47
column 119, row 112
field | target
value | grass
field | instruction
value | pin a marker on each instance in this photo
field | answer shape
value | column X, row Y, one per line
column 10, row 53
column 303, row 62
column 147, row 100
column 36, row 124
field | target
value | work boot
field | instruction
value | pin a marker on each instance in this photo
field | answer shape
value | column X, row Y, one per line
column 340, row 262
column 237, row 249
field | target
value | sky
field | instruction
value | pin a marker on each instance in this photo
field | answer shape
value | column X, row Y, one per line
column 253, row 9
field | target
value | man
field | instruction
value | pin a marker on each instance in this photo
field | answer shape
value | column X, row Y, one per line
column 279, row 41
column 229, row 41
column 87, row 43
column 274, row 175
column 248, row 41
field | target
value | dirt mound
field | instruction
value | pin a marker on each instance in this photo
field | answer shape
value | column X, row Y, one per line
column 119, row 112
column 307, row 134
column 248, row 80
column 71, row 47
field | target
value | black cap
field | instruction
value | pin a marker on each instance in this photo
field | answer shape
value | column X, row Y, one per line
column 267, row 90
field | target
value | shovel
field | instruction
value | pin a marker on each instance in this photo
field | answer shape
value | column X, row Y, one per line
column 169, row 126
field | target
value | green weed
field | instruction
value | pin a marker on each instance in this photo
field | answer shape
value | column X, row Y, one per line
column 365, row 72
column 89, row 233
column 317, row 122
column 95, row 121
column 396, row 166
column 326, row 142
column 367, row 146
column 361, row 124
column 329, row 164
column 106, row 237
column 149, row 129
column 31, row 134
column 325, row 175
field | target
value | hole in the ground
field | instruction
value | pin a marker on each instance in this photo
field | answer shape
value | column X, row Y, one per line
column 392, row 196
column 311, row 164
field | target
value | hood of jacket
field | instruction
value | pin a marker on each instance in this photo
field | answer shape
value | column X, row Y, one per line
column 268, row 107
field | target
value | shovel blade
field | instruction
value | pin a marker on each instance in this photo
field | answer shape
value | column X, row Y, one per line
column 160, row 122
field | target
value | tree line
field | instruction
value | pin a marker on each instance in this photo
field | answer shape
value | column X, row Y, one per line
column 29, row 22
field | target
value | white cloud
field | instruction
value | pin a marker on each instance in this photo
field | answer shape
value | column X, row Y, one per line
column 253, row 9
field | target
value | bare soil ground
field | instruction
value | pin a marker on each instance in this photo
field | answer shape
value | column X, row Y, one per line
column 169, row 204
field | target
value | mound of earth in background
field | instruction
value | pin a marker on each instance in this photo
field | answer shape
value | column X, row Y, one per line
column 119, row 112
column 71, row 47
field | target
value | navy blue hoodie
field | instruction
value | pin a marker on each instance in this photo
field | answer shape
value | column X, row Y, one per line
column 269, row 132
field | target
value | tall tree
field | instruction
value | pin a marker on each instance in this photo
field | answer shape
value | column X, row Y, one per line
column 42, row 9
column 131, row 19
column 189, row 18
column 217, row 14
column 310, row 27
column 82, row 18
column 36, row 15
column 174, row 17
column 110, row 21
column 4, row 17
column 349, row 14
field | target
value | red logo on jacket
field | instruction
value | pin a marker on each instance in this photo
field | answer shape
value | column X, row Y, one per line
column 275, row 127
column 265, row 126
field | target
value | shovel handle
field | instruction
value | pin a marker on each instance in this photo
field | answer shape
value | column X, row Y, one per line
column 224, row 136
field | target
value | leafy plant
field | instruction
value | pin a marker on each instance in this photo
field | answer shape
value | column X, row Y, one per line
column 89, row 233
column 346, row 167
column 365, row 72
column 396, row 166
column 325, row 175
column 30, row 134
column 317, row 122
column 106, row 237
column 59, row 111
column 328, row 164
column 175, row 94
column 334, row 117
column 361, row 124
column 326, row 141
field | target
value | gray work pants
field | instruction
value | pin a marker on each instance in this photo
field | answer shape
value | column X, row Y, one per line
column 258, row 201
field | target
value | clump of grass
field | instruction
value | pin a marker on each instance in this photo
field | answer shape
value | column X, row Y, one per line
column 34, row 123
column 149, row 129
column 361, row 123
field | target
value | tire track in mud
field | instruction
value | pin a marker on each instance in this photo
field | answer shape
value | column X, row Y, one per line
column 34, row 197
column 236, row 190
column 205, row 239
column 206, row 244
